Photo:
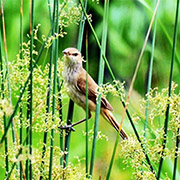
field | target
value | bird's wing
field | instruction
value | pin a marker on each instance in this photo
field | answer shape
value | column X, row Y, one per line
column 92, row 90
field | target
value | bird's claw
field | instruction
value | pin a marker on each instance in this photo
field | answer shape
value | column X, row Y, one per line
column 67, row 127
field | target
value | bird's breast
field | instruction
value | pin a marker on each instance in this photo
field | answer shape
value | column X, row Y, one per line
column 71, row 75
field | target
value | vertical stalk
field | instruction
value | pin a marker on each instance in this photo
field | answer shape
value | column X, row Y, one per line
column 14, row 112
column 6, row 149
column 22, row 90
column 21, row 57
column 68, row 133
column 1, row 69
column 169, row 93
column 4, row 116
column 7, row 76
column 150, row 76
column 48, row 87
column 81, row 28
column 60, row 108
column 71, row 103
column 117, row 87
column 59, row 86
column 87, row 107
column 6, row 54
column 112, row 158
column 30, row 91
column 55, row 20
column 7, row 72
column 100, row 81
column 4, row 76
column 17, row 155
column 176, row 155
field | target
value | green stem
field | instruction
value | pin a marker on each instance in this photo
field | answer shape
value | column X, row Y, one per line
column 2, row 88
column 150, row 76
column 48, row 90
column 21, row 57
column 68, row 133
column 81, row 28
column 71, row 103
column 87, row 107
column 100, row 81
column 55, row 20
column 59, row 86
column 176, row 155
column 117, row 87
column 22, row 90
column 7, row 68
column 6, row 149
column 79, row 46
column 169, row 93
column 112, row 158
column 18, row 154
column 30, row 111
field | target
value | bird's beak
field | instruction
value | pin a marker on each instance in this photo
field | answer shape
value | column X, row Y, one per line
column 65, row 52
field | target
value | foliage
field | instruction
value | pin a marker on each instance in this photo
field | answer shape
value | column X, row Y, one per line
column 128, row 22
column 131, row 150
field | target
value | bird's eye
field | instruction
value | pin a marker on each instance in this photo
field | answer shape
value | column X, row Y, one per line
column 75, row 54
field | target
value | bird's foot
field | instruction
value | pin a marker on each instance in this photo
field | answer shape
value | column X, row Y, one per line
column 67, row 127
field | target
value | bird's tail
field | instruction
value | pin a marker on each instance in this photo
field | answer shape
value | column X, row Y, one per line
column 109, row 116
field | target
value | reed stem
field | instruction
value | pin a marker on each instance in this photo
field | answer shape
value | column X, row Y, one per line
column 30, row 100
column 59, row 86
column 55, row 20
column 117, row 87
column 87, row 107
column 169, row 92
column 22, row 90
column 21, row 112
column 4, row 76
column 100, row 81
column 71, row 103
column 150, row 76
column 68, row 133
column 48, row 88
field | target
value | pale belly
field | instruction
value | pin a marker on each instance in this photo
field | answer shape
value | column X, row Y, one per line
column 70, row 76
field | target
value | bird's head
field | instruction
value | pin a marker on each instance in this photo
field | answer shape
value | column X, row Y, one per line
column 72, row 56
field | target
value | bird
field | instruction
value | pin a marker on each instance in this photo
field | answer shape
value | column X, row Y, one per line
column 74, row 76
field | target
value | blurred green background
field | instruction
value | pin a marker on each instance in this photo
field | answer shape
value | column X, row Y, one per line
column 127, row 27
column 128, row 24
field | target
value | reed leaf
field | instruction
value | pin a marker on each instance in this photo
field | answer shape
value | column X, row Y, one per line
column 71, row 103
column 68, row 133
column 60, row 106
column 176, row 155
column 48, row 88
column 30, row 88
column 112, row 158
column 4, row 77
column 150, row 76
column 117, row 87
column 100, row 81
column 132, row 83
column 21, row 113
column 79, row 46
column 22, row 90
column 87, row 107
column 55, row 46
column 169, row 92
column 19, row 153
column 4, row 116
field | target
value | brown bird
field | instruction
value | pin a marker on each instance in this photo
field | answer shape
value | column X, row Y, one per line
column 75, row 79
